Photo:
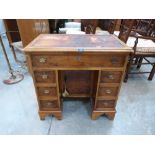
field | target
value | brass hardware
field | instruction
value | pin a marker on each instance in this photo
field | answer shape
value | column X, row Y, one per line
column 105, row 104
column 42, row 60
column 49, row 103
column 114, row 60
column 108, row 91
column 80, row 50
column 110, row 76
column 65, row 93
column 46, row 91
column 44, row 76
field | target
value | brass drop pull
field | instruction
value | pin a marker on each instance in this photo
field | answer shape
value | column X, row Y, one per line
column 114, row 60
column 105, row 104
column 42, row 60
column 65, row 93
column 110, row 76
column 46, row 91
column 44, row 76
column 108, row 91
column 49, row 103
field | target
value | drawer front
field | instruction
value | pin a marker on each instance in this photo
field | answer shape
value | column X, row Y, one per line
column 107, row 91
column 110, row 77
column 47, row 91
column 80, row 60
column 45, row 76
column 49, row 105
column 105, row 104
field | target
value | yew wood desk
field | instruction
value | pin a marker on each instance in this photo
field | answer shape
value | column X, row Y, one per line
column 89, row 66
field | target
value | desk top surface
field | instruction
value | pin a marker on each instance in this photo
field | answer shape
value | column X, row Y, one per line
column 66, row 43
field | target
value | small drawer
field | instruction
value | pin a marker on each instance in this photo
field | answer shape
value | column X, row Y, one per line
column 76, row 60
column 105, row 104
column 110, row 77
column 47, row 91
column 107, row 91
column 45, row 76
column 49, row 105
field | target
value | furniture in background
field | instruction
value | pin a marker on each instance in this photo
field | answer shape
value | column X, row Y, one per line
column 83, row 26
column 15, row 43
column 12, row 30
column 52, row 25
column 15, row 76
column 105, row 24
column 31, row 28
column 118, row 24
column 71, row 27
column 142, row 43
column 60, row 23
column 112, row 26
column 89, row 25
column 20, row 32
column 144, row 48
column 145, row 26
column 77, row 66
column 142, row 27
column 125, row 29
column 20, row 28
column 13, row 36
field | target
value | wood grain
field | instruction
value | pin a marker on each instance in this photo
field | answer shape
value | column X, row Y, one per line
column 96, row 73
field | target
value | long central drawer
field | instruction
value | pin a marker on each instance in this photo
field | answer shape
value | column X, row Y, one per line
column 79, row 60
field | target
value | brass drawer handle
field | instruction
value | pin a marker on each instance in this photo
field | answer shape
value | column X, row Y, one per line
column 44, row 76
column 111, row 77
column 105, row 104
column 108, row 91
column 114, row 60
column 46, row 91
column 42, row 60
column 49, row 103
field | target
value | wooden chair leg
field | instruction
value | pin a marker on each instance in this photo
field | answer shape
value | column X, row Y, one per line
column 136, row 61
column 15, row 56
column 152, row 73
column 14, row 53
column 140, row 62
